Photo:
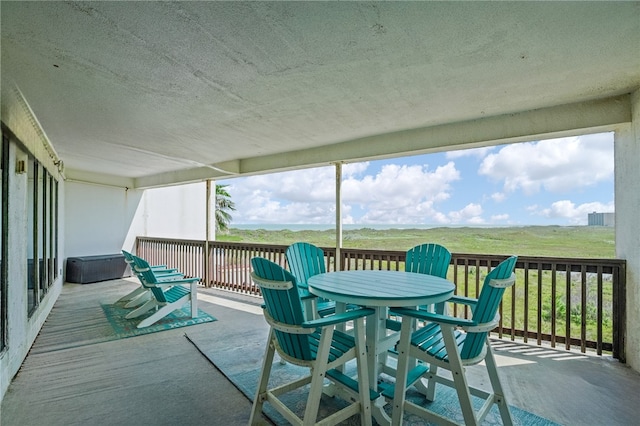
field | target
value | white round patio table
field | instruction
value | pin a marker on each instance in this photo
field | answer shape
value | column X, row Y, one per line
column 380, row 290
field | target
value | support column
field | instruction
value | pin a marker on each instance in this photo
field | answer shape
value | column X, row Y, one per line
column 207, row 269
column 627, row 201
column 338, row 264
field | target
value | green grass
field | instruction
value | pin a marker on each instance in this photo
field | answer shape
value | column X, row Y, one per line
column 551, row 241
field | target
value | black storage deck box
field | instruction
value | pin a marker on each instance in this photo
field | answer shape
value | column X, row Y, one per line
column 91, row 269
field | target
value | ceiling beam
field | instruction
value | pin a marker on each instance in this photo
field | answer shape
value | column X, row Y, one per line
column 553, row 122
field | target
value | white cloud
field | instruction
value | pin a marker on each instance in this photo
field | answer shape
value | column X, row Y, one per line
column 401, row 194
column 474, row 152
column 471, row 213
column 396, row 194
column 414, row 194
column 304, row 196
column 498, row 196
column 555, row 165
column 354, row 169
column 575, row 215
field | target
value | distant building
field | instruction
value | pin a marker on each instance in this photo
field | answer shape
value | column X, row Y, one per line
column 602, row 219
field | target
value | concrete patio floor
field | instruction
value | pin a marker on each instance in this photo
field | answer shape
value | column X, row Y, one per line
column 71, row 377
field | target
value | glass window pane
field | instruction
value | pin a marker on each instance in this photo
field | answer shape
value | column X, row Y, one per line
column 32, row 237
column 55, row 230
column 50, row 226
column 42, row 230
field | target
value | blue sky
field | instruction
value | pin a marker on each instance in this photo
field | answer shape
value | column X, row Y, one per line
column 550, row 182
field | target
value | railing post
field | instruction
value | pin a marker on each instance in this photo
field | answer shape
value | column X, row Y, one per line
column 338, row 216
column 619, row 278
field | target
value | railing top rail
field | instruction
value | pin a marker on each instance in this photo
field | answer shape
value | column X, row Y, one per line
column 531, row 261
column 170, row 240
column 545, row 259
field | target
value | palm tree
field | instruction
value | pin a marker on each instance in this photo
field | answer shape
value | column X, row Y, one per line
column 223, row 206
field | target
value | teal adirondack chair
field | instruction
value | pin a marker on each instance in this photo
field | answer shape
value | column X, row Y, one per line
column 429, row 259
column 306, row 260
column 452, row 343
column 142, row 294
column 168, row 295
column 311, row 343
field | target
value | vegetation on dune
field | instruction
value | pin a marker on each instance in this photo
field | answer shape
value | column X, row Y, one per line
column 551, row 241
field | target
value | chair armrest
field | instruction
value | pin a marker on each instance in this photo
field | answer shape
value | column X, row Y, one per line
column 429, row 316
column 179, row 281
column 462, row 300
column 168, row 277
column 165, row 271
column 338, row 318
column 484, row 326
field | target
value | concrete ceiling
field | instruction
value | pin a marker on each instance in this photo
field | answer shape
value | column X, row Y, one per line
column 169, row 92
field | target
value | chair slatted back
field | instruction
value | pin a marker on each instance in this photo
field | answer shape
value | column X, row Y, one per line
column 487, row 306
column 148, row 278
column 283, row 305
column 430, row 259
column 305, row 260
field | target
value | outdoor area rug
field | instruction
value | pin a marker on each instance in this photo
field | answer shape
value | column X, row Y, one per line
column 245, row 375
column 446, row 402
column 124, row 328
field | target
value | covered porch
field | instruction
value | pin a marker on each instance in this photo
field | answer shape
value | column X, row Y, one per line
column 103, row 101
column 165, row 378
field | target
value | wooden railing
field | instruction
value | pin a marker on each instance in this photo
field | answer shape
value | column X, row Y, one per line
column 563, row 301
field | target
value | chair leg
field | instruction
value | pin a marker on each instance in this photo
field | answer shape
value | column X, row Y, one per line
column 132, row 295
column 260, row 397
column 139, row 299
column 402, row 371
column 142, row 309
column 459, row 377
column 499, row 397
column 318, row 373
column 363, row 373
column 161, row 313
column 431, row 383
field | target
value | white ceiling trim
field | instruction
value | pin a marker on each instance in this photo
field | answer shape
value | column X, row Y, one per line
column 18, row 116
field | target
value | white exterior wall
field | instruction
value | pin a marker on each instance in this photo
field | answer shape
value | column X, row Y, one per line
column 98, row 218
column 172, row 212
column 627, row 197
column 107, row 219
column 22, row 329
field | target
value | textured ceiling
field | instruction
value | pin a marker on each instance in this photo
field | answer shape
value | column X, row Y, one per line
column 137, row 89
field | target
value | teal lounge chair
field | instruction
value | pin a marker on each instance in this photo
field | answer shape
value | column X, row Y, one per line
column 142, row 294
column 168, row 295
